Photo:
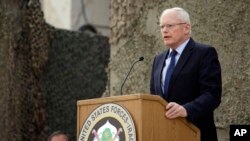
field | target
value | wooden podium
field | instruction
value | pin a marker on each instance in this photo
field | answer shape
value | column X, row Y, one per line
column 148, row 114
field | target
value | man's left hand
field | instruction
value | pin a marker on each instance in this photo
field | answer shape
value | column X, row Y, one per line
column 175, row 110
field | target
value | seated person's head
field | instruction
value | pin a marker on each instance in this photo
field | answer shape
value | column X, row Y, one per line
column 58, row 136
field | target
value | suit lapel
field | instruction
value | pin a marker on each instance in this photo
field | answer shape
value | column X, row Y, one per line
column 182, row 61
column 162, row 64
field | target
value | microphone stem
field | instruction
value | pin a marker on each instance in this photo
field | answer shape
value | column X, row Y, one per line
column 128, row 74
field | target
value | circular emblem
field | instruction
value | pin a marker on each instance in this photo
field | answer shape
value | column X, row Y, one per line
column 108, row 122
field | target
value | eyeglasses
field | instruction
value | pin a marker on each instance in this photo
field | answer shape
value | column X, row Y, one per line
column 170, row 26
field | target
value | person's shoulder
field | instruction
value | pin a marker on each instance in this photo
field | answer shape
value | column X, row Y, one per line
column 204, row 49
column 161, row 54
column 203, row 46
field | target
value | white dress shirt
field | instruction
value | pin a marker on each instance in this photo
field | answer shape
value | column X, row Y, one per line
column 179, row 50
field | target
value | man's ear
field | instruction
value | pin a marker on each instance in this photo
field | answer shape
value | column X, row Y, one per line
column 187, row 29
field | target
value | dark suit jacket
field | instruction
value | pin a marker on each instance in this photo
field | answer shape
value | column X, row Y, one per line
column 195, row 84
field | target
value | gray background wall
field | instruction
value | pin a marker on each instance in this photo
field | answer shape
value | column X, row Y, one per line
column 222, row 23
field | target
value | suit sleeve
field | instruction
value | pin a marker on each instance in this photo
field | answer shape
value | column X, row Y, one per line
column 209, row 86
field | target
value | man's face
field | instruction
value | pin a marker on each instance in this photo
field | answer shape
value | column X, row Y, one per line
column 174, row 31
column 59, row 138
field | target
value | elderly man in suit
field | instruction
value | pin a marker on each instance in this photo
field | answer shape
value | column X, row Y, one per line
column 187, row 74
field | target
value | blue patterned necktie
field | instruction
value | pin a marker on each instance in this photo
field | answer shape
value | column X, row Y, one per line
column 169, row 72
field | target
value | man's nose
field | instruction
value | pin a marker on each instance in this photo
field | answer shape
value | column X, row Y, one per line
column 164, row 29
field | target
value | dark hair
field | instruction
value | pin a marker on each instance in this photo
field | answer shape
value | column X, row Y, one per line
column 88, row 27
column 56, row 133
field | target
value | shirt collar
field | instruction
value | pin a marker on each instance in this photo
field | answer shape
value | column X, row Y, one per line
column 180, row 48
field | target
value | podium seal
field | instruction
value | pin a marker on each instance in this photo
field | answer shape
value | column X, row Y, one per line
column 108, row 122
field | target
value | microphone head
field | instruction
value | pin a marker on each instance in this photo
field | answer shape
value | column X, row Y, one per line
column 141, row 58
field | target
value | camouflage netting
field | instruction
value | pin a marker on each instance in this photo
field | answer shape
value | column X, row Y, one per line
column 75, row 71
column 44, row 71
column 23, row 117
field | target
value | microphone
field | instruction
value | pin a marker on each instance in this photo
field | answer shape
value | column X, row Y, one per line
column 140, row 59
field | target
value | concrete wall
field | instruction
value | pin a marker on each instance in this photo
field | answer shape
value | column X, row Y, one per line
column 57, row 13
column 95, row 12
column 72, row 14
column 223, row 24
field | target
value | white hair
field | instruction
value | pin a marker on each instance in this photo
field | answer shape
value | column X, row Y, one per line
column 180, row 13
